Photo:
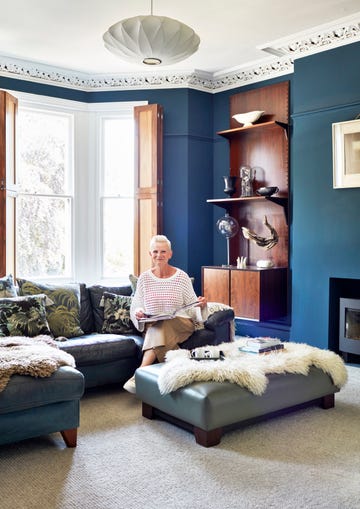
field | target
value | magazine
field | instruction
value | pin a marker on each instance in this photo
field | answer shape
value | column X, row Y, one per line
column 260, row 345
column 167, row 316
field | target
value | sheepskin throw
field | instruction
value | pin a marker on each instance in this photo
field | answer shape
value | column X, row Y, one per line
column 38, row 356
column 248, row 370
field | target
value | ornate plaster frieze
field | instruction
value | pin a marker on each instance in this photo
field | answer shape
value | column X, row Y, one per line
column 316, row 41
column 284, row 53
column 195, row 79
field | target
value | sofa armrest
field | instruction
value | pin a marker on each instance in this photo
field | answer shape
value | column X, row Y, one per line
column 220, row 317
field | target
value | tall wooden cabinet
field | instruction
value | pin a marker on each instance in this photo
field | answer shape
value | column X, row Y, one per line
column 256, row 294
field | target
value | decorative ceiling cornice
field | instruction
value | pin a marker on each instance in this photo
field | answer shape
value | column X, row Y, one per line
column 310, row 42
column 284, row 53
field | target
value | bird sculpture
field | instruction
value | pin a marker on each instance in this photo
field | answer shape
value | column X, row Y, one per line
column 266, row 243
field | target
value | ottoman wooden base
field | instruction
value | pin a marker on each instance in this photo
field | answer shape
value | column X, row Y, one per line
column 208, row 409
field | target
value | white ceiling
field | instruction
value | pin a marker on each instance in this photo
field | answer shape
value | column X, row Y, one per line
column 67, row 34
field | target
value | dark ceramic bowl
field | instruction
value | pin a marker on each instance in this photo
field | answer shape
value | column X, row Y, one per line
column 267, row 191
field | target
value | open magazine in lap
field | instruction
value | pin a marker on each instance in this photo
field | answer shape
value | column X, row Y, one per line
column 166, row 316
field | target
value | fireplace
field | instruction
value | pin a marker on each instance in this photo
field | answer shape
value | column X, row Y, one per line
column 342, row 337
column 349, row 326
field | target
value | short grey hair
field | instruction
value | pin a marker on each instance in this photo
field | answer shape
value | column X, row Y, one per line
column 159, row 238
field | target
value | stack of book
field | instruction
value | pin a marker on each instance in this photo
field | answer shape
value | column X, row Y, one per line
column 262, row 345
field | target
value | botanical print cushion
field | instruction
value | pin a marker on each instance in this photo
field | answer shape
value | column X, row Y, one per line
column 117, row 314
column 7, row 287
column 64, row 314
column 23, row 316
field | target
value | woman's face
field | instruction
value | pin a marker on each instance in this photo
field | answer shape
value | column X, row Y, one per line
column 160, row 254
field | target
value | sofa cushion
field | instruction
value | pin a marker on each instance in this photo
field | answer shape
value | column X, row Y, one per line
column 117, row 314
column 64, row 315
column 133, row 283
column 96, row 293
column 86, row 313
column 24, row 316
column 7, row 287
column 100, row 348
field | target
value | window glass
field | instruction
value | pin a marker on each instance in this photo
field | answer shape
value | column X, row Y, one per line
column 118, row 237
column 118, row 150
column 44, row 203
column 43, row 236
column 117, row 200
column 43, row 148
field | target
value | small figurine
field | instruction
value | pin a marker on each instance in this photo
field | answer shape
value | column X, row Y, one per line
column 247, row 175
column 266, row 243
column 241, row 262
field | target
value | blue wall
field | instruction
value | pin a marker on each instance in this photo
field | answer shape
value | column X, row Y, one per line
column 324, row 231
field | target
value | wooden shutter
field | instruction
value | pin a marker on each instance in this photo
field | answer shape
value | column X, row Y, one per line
column 148, row 181
column 8, row 112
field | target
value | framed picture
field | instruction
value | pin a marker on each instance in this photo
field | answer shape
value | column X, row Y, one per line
column 346, row 154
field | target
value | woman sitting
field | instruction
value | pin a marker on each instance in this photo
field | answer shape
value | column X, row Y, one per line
column 163, row 289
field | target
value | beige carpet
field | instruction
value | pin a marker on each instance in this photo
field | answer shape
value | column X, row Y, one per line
column 309, row 459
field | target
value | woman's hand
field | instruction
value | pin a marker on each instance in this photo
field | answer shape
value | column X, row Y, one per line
column 202, row 302
column 139, row 313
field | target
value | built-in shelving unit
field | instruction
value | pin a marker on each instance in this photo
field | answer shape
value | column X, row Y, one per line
column 256, row 294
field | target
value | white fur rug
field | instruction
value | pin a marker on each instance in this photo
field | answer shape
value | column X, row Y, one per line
column 39, row 356
column 248, row 370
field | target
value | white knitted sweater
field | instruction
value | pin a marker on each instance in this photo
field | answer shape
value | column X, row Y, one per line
column 162, row 295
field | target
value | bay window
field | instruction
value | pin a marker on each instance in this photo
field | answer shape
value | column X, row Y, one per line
column 75, row 190
column 83, row 212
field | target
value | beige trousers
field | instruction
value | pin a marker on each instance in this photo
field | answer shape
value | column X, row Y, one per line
column 165, row 335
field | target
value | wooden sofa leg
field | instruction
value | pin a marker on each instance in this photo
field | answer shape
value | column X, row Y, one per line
column 207, row 438
column 147, row 411
column 70, row 437
column 328, row 401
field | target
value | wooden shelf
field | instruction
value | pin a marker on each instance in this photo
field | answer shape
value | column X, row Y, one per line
column 227, row 203
column 238, row 131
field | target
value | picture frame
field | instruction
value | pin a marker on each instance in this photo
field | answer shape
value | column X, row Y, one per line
column 346, row 154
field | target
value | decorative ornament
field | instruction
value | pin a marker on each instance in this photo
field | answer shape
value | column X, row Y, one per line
column 230, row 184
column 248, row 118
column 266, row 243
column 228, row 227
column 247, row 175
column 241, row 262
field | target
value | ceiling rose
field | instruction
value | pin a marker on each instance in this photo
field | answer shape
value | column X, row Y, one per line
column 151, row 40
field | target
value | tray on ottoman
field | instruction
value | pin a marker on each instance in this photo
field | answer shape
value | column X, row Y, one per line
column 210, row 408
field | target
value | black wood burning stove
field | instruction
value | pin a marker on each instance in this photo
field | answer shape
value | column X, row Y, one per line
column 349, row 326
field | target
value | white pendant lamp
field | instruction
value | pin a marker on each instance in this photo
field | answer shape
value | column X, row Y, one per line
column 151, row 40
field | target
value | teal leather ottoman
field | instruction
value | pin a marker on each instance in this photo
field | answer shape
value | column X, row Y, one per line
column 210, row 408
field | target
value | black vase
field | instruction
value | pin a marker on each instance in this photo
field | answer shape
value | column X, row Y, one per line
column 230, row 184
